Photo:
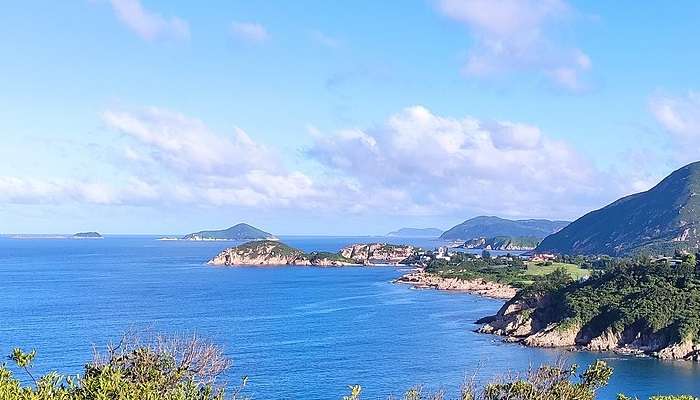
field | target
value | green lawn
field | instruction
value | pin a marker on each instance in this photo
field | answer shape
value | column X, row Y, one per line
column 574, row 270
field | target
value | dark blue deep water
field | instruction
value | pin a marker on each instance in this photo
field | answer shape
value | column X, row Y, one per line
column 296, row 332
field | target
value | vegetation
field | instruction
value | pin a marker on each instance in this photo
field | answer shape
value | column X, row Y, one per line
column 236, row 232
column 645, row 296
column 187, row 369
column 503, row 243
column 494, row 226
column 658, row 221
column 506, row 269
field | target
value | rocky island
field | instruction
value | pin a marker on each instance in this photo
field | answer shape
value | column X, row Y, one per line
column 268, row 252
column 240, row 231
column 87, row 235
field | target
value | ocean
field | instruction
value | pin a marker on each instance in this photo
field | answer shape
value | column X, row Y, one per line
column 296, row 332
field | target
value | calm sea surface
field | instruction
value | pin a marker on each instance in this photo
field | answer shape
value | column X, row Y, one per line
column 296, row 332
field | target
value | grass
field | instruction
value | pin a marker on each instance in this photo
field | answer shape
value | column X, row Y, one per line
column 576, row 272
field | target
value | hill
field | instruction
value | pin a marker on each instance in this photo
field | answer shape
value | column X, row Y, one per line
column 236, row 232
column 658, row 221
column 648, row 307
column 488, row 227
column 416, row 232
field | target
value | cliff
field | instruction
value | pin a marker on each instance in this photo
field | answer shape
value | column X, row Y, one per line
column 268, row 252
column 378, row 253
column 632, row 309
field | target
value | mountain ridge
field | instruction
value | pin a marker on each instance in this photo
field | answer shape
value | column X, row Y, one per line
column 659, row 220
column 492, row 226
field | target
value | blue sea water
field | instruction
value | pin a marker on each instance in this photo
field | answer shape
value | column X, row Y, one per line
column 297, row 332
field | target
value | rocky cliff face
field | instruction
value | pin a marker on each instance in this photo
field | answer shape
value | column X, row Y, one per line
column 520, row 321
column 378, row 253
column 260, row 253
column 268, row 252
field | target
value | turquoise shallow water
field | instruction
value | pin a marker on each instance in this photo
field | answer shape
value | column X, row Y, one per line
column 296, row 332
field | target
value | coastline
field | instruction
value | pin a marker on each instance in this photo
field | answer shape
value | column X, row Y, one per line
column 420, row 279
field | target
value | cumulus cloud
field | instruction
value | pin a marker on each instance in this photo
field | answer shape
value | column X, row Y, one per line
column 187, row 144
column 512, row 35
column 148, row 24
column 443, row 164
column 251, row 32
column 415, row 163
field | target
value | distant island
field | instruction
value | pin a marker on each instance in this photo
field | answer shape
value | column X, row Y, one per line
column 658, row 221
column 269, row 252
column 416, row 233
column 240, row 231
column 87, row 235
column 494, row 233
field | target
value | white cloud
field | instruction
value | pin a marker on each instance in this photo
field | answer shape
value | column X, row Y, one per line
column 415, row 163
column 148, row 24
column 186, row 144
column 325, row 40
column 678, row 115
column 441, row 165
column 249, row 31
column 511, row 35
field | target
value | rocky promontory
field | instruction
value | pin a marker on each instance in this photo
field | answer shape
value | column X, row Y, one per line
column 481, row 287
column 269, row 252
column 636, row 309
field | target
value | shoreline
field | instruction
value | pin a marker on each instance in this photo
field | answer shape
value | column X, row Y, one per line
column 420, row 279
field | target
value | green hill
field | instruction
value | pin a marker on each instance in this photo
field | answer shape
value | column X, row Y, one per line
column 236, row 232
column 659, row 220
column 488, row 227
column 644, row 307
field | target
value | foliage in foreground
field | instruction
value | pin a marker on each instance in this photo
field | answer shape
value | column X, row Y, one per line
column 187, row 369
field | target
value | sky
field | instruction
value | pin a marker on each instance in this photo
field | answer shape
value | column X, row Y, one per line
column 338, row 118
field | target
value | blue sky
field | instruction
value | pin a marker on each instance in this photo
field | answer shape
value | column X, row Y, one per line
column 308, row 117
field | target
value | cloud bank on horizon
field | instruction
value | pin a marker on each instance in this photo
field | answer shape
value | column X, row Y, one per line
column 488, row 138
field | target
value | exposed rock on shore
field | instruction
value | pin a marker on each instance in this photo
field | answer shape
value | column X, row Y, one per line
column 521, row 320
column 268, row 252
column 378, row 253
column 424, row 280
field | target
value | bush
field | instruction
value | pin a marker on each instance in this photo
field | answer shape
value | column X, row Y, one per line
column 187, row 369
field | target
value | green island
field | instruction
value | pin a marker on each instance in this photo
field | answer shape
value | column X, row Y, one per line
column 189, row 368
